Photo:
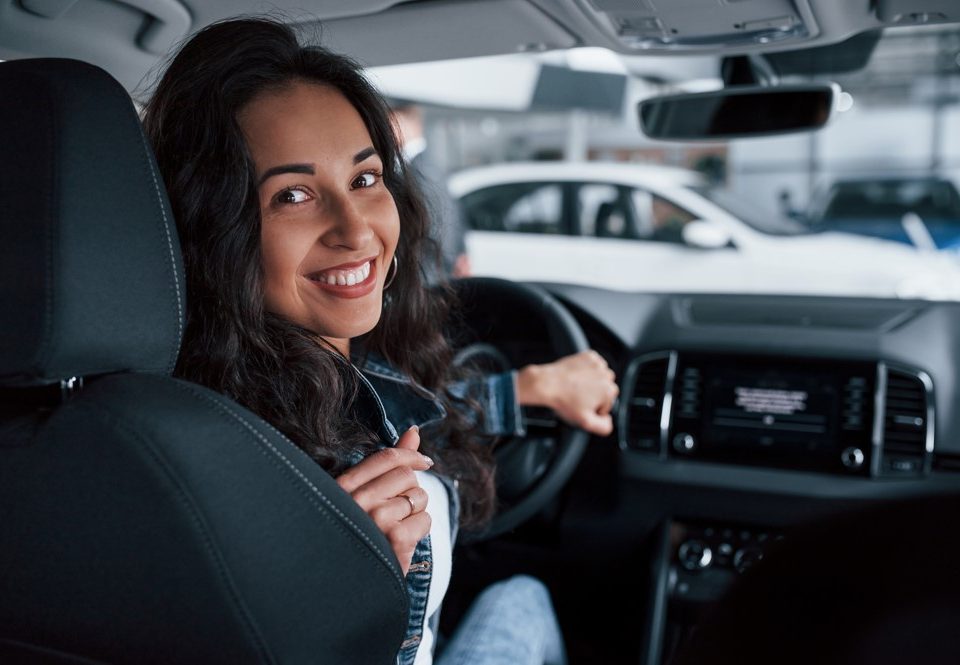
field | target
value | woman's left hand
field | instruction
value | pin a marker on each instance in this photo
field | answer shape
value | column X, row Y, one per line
column 580, row 388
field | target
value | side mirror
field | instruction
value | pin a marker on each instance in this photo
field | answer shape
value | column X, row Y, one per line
column 739, row 111
column 704, row 235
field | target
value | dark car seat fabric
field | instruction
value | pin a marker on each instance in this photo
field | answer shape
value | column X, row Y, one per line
column 90, row 280
column 144, row 519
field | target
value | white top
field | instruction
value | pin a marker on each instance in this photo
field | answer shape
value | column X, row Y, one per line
column 438, row 507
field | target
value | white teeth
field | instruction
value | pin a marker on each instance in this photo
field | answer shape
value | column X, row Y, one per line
column 346, row 277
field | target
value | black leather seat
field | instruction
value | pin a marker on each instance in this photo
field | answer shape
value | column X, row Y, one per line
column 144, row 519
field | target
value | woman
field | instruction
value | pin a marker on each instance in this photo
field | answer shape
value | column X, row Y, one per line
column 303, row 238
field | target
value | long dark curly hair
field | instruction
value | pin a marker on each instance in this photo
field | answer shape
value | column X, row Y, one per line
column 232, row 343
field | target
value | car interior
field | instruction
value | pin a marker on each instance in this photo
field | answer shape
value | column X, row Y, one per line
column 780, row 486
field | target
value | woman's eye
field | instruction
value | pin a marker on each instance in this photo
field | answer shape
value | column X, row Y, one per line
column 365, row 180
column 292, row 196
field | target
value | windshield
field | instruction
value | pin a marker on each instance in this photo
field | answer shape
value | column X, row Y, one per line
column 556, row 182
column 744, row 209
column 930, row 199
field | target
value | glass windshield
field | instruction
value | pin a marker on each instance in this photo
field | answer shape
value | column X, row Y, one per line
column 565, row 188
column 765, row 221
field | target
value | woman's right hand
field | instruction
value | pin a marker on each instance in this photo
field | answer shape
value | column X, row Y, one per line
column 385, row 486
column 580, row 388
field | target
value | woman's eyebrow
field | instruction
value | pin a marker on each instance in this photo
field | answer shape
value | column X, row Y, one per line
column 363, row 154
column 308, row 169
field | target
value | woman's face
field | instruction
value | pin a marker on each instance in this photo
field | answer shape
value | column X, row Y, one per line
column 329, row 224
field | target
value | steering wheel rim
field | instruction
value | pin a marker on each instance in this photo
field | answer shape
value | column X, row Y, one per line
column 566, row 337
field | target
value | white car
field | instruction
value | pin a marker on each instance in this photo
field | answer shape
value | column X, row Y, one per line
column 637, row 227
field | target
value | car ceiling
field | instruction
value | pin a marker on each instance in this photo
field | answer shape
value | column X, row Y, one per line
column 128, row 38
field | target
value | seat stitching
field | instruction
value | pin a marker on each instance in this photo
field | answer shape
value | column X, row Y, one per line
column 196, row 516
column 289, row 464
column 173, row 262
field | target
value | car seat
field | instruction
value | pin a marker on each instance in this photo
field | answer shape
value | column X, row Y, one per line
column 145, row 519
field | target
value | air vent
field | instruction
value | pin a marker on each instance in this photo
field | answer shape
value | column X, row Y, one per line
column 905, row 424
column 642, row 411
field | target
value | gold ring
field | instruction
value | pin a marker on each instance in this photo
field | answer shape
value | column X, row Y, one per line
column 413, row 506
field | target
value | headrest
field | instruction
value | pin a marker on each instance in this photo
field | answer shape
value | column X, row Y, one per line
column 91, row 278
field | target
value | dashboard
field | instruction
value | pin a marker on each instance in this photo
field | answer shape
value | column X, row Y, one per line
column 787, row 394
column 744, row 423
column 743, row 418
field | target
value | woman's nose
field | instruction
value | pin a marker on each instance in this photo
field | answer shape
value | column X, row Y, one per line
column 350, row 228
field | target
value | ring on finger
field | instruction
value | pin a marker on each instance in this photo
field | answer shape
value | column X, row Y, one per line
column 413, row 506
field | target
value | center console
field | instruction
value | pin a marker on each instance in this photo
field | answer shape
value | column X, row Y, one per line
column 827, row 415
column 842, row 423
column 695, row 565
column 803, row 414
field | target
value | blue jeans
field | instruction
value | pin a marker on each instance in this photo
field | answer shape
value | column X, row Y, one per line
column 510, row 623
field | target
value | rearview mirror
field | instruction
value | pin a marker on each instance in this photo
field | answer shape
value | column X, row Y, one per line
column 737, row 112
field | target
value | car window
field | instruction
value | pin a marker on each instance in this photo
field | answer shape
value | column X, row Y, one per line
column 777, row 223
column 604, row 212
column 518, row 208
column 663, row 220
column 893, row 198
column 669, row 220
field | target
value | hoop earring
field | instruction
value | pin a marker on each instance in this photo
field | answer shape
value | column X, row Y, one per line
column 391, row 275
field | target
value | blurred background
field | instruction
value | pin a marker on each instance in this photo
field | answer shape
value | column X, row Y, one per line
column 901, row 116
column 891, row 148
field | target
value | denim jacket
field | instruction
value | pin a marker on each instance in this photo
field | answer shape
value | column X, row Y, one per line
column 395, row 403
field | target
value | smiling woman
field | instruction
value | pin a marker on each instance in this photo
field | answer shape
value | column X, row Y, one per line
column 296, row 214
column 329, row 225
column 255, row 225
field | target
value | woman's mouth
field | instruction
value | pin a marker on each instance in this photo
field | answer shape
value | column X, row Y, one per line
column 347, row 281
column 343, row 277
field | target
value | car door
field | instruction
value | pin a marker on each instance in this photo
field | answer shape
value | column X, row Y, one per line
column 520, row 231
column 633, row 239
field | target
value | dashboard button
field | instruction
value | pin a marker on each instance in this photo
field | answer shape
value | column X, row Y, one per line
column 852, row 457
column 695, row 555
column 684, row 443
column 904, row 465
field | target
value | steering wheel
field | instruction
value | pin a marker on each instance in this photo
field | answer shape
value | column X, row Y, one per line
column 502, row 325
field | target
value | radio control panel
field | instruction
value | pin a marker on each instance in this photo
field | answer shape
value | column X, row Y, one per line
column 849, row 417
